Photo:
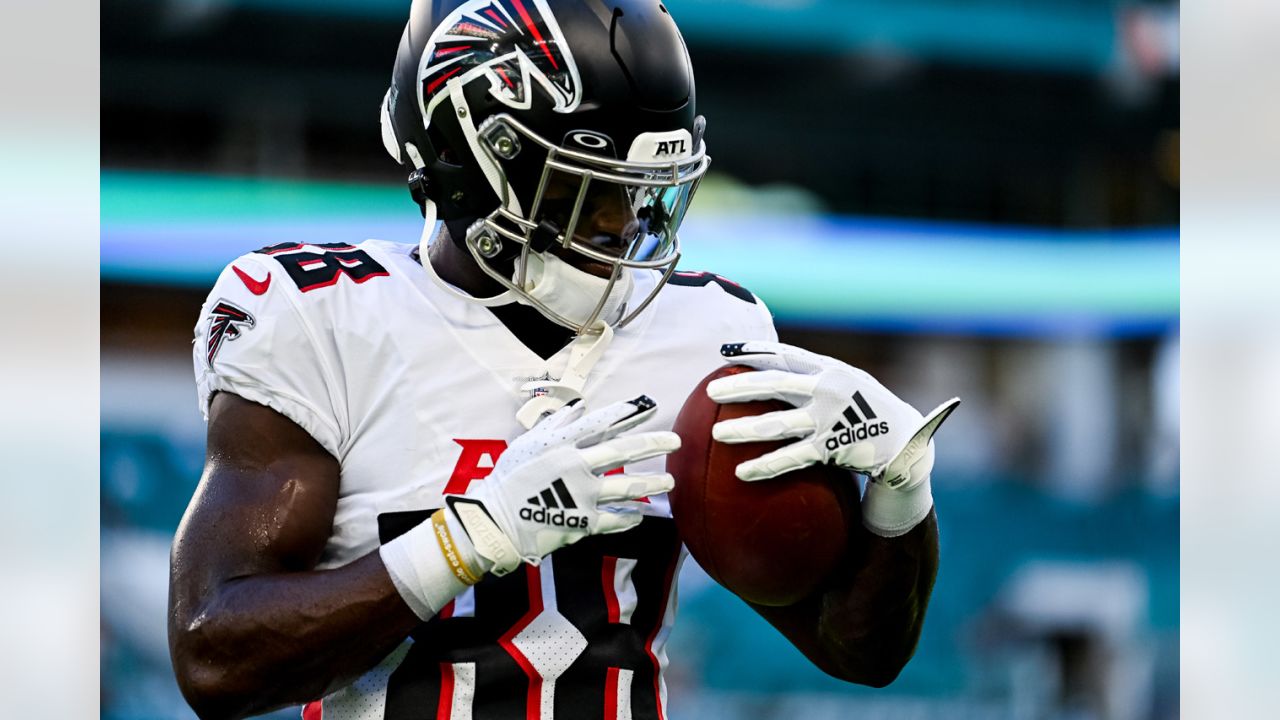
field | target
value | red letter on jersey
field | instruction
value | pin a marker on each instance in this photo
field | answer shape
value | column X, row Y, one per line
column 476, row 462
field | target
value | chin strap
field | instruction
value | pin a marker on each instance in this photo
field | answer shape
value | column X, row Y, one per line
column 424, row 244
column 551, row 395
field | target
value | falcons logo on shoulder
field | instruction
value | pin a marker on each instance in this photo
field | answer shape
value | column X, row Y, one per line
column 514, row 43
column 226, row 322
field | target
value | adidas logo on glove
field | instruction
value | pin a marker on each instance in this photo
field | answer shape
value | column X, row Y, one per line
column 548, row 511
column 857, row 430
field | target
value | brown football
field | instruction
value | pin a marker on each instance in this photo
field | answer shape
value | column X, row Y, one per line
column 770, row 542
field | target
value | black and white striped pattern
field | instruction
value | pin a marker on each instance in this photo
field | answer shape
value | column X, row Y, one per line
column 852, row 415
column 547, row 498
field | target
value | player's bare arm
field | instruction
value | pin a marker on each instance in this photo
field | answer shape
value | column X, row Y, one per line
column 252, row 625
column 863, row 625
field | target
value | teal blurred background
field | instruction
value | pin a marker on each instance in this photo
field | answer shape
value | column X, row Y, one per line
column 972, row 198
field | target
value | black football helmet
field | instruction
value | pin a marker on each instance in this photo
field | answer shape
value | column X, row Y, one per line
column 514, row 115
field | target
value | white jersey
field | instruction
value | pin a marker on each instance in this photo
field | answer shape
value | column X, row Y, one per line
column 415, row 392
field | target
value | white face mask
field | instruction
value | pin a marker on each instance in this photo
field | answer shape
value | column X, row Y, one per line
column 572, row 293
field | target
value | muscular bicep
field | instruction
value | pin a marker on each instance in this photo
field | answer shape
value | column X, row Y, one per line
column 265, row 503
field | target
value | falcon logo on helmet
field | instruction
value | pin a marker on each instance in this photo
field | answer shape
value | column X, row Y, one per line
column 514, row 43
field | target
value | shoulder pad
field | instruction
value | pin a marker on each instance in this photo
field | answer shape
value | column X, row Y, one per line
column 701, row 279
column 312, row 267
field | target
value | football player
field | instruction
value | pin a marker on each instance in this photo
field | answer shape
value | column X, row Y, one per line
column 435, row 478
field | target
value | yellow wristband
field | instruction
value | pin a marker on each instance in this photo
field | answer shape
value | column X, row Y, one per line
column 450, row 551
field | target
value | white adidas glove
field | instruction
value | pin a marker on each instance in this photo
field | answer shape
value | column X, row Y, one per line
column 546, row 490
column 842, row 416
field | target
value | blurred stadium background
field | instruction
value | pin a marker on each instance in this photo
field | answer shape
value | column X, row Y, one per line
column 975, row 198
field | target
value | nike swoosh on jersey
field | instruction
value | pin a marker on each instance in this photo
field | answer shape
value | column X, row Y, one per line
column 257, row 287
